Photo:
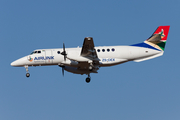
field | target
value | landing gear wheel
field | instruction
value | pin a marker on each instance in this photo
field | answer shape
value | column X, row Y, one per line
column 27, row 71
column 90, row 68
column 27, row 74
column 88, row 79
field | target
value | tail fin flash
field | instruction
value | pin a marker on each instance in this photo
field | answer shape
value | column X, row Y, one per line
column 159, row 37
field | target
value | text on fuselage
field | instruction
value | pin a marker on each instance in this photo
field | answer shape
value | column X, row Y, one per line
column 44, row 58
column 108, row 59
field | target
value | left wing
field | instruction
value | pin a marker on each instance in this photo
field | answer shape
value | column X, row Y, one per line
column 88, row 61
column 88, row 49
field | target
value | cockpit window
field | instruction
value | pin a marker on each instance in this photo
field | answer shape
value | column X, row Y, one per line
column 34, row 52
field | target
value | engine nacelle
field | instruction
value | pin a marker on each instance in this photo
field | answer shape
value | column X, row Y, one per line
column 78, row 71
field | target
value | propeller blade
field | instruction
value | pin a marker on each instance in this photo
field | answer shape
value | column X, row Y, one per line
column 63, row 47
column 64, row 52
column 63, row 71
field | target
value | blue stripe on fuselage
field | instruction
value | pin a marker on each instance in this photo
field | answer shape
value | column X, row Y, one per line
column 145, row 46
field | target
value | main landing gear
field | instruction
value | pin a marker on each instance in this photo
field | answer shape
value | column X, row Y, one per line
column 90, row 68
column 27, row 71
column 88, row 79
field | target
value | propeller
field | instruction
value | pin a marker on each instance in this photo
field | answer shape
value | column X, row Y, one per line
column 63, row 70
column 64, row 52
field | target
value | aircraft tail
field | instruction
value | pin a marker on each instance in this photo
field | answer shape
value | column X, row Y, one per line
column 158, row 38
column 157, row 41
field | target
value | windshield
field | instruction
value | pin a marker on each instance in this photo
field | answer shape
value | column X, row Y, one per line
column 35, row 52
column 32, row 53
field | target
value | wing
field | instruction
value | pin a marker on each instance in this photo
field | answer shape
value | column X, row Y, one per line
column 88, row 61
column 88, row 49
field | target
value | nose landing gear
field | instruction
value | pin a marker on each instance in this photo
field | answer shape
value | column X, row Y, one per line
column 27, row 74
column 27, row 71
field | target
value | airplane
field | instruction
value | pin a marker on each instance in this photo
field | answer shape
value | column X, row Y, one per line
column 89, row 58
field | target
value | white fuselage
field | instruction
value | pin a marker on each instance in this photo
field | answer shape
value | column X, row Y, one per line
column 108, row 56
column 89, row 59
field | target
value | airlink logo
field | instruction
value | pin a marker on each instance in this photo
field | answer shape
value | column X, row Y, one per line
column 30, row 59
column 44, row 58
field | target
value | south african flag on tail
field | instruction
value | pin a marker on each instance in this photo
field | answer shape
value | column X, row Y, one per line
column 158, row 38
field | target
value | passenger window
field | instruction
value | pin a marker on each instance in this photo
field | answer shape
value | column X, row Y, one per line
column 108, row 50
column 39, row 51
column 98, row 50
column 103, row 50
column 113, row 49
column 58, row 52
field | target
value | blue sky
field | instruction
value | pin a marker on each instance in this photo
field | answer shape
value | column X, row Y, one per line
column 147, row 90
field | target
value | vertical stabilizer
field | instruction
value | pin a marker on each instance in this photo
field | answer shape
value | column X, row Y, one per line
column 159, row 37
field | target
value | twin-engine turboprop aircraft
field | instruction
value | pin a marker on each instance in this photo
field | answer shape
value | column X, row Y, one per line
column 89, row 58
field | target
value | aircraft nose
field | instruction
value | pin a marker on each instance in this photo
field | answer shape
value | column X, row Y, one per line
column 19, row 62
column 13, row 63
column 16, row 63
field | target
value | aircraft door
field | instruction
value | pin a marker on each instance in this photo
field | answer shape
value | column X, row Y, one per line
column 49, row 56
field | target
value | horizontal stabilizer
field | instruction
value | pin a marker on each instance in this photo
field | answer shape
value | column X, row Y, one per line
column 147, row 58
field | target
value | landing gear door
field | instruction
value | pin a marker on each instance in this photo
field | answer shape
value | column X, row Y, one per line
column 48, row 56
